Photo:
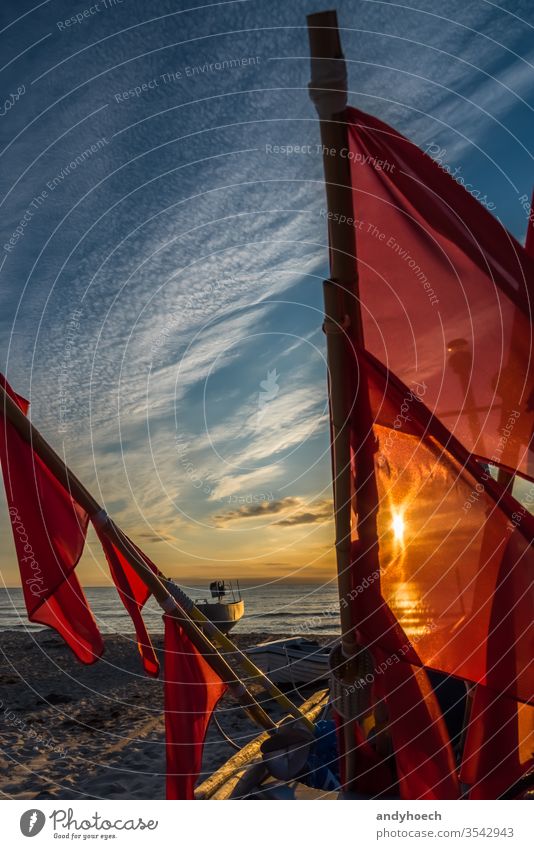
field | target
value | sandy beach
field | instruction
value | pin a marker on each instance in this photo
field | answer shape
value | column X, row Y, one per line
column 69, row 731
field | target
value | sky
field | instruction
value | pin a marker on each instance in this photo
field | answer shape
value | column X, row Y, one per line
column 162, row 307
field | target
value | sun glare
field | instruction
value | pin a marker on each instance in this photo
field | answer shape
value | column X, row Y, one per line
column 398, row 527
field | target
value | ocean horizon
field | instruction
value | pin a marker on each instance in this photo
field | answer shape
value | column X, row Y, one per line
column 276, row 608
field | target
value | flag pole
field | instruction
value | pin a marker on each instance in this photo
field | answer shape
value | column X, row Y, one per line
column 328, row 91
column 167, row 602
column 340, row 305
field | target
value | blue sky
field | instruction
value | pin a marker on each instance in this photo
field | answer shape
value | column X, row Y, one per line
column 162, row 308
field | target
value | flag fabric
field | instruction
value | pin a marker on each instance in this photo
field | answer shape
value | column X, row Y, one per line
column 447, row 292
column 49, row 529
column 375, row 778
column 192, row 691
column 499, row 746
column 441, row 559
column 133, row 593
column 423, row 754
column 455, row 550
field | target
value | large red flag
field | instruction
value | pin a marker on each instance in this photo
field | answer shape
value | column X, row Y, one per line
column 423, row 754
column 133, row 593
column 446, row 292
column 192, row 690
column 49, row 529
column 445, row 576
column 456, row 550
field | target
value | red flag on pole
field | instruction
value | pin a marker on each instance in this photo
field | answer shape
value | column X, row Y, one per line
column 192, row 690
column 446, row 291
column 49, row 530
column 133, row 593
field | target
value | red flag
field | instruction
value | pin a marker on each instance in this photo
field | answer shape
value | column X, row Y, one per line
column 49, row 529
column 133, row 593
column 192, row 690
column 447, row 566
column 455, row 549
column 499, row 747
column 423, row 754
column 374, row 777
column 448, row 292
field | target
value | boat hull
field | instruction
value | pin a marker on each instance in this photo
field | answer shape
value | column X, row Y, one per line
column 288, row 666
column 224, row 615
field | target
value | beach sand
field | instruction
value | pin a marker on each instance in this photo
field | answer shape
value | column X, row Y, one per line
column 69, row 731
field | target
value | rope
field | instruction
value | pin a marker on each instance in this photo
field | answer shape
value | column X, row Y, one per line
column 224, row 735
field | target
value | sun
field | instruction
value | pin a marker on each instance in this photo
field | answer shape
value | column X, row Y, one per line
column 398, row 526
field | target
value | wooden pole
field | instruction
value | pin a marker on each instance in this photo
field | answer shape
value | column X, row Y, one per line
column 342, row 311
column 80, row 494
column 341, row 305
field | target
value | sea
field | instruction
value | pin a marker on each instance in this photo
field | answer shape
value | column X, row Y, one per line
column 272, row 608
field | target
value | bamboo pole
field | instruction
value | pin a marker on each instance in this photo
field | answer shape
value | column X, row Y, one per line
column 170, row 605
column 220, row 783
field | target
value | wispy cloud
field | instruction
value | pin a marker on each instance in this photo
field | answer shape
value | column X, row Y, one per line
column 294, row 510
column 317, row 514
column 248, row 511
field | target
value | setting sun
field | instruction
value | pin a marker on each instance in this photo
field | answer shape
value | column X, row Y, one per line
column 398, row 527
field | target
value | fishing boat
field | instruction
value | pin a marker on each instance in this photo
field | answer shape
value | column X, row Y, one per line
column 224, row 612
column 293, row 661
